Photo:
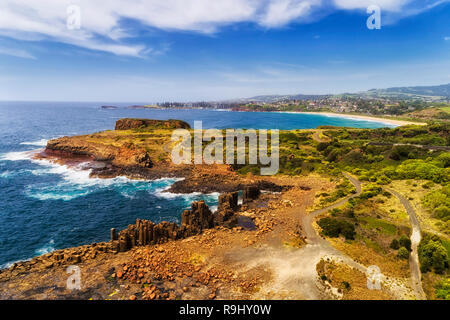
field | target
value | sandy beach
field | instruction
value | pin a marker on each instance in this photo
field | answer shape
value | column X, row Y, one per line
column 364, row 118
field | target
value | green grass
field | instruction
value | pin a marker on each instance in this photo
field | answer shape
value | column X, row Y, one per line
column 445, row 109
column 372, row 244
column 383, row 226
column 446, row 244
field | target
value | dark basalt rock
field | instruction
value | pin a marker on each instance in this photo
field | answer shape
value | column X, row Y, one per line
column 251, row 193
column 145, row 232
column 228, row 204
column 228, row 199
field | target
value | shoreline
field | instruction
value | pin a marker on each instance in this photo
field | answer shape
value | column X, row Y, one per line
column 398, row 123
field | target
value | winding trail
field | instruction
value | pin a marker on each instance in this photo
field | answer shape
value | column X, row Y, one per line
column 308, row 219
column 294, row 271
column 416, row 275
column 318, row 136
column 322, row 248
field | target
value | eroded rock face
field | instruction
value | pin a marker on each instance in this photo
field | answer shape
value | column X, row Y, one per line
column 228, row 205
column 228, row 200
column 127, row 155
column 145, row 232
column 129, row 123
column 198, row 218
column 251, row 193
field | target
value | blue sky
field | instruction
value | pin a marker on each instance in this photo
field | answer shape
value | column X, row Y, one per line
column 186, row 50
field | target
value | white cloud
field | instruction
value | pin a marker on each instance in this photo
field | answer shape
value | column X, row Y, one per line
column 282, row 12
column 389, row 5
column 447, row 38
column 392, row 10
column 103, row 27
column 16, row 53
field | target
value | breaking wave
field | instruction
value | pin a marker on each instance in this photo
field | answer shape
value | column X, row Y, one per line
column 38, row 143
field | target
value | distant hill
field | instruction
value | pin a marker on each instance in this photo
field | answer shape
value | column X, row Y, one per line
column 434, row 93
column 425, row 91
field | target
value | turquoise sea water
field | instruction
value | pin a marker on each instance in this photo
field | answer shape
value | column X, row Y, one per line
column 44, row 207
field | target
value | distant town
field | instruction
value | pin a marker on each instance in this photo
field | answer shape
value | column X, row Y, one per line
column 432, row 102
column 337, row 104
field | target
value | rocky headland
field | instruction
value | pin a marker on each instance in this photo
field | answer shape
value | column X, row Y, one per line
column 140, row 149
column 262, row 242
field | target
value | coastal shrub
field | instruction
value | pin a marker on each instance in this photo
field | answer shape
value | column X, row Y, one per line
column 432, row 255
column 332, row 227
column 349, row 213
column 443, row 289
column 346, row 285
column 322, row 146
column 444, row 159
column 355, row 156
column 438, row 202
column 425, row 139
column 420, row 169
column 399, row 152
column 405, row 242
column 394, row 244
column 342, row 190
column 333, row 155
column 383, row 180
column 428, row 185
column 348, row 230
column 370, row 191
column 403, row 253
column 442, row 212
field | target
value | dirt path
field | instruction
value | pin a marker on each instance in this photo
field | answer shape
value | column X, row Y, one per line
column 307, row 220
column 416, row 275
column 317, row 136
column 319, row 248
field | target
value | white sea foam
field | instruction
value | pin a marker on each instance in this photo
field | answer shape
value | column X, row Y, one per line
column 76, row 182
column 188, row 197
column 49, row 247
column 17, row 155
column 9, row 264
column 39, row 143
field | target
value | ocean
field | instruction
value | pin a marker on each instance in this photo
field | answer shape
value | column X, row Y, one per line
column 45, row 207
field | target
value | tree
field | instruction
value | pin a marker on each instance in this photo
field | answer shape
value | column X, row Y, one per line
column 432, row 255
column 442, row 212
column 394, row 244
column 404, row 241
column 332, row 227
column 403, row 253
